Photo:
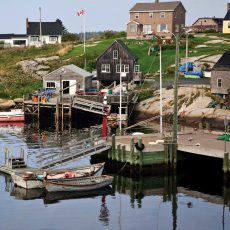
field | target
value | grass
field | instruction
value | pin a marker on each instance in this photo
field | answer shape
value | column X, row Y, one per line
column 13, row 83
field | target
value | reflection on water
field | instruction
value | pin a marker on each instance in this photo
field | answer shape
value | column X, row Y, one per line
column 185, row 200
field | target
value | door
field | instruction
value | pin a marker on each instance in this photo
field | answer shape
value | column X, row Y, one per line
column 65, row 87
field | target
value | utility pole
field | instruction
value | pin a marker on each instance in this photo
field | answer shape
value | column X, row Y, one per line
column 40, row 9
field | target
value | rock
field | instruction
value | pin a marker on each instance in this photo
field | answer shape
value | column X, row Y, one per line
column 46, row 59
column 18, row 100
column 28, row 65
column 6, row 104
column 42, row 73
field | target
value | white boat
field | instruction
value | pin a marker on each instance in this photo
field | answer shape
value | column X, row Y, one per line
column 78, row 184
column 15, row 115
column 31, row 180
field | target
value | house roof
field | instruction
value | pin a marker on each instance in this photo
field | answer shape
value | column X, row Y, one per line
column 122, row 44
column 223, row 63
column 9, row 36
column 217, row 20
column 151, row 7
column 227, row 16
column 67, row 70
column 48, row 28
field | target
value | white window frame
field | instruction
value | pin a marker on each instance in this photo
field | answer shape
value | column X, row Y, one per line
column 137, row 15
column 159, row 29
column 162, row 14
column 136, row 68
column 147, row 29
column 151, row 14
column 219, row 82
column 105, row 68
column 53, row 38
column 115, row 54
column 133, row 28
column 124, row 68
column 34, row 38
column 50, row 82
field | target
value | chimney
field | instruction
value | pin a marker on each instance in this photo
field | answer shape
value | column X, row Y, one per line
column 156, row 1
column 228, row 6
column 27, row 24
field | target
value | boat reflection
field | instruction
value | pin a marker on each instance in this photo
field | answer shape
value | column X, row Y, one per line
column 55, row 197
column 27, row 194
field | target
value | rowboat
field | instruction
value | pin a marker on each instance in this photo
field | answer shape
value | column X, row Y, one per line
column 78, row 184
column 15, row 115
column 31, row 180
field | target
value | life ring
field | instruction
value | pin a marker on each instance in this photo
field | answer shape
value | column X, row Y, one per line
column 140, row 148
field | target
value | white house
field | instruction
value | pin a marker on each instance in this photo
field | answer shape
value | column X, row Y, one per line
column 71, row 78
column 13, row 40
column 44, row 33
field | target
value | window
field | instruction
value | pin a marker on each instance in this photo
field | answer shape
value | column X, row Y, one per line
column 161, row 27
column 151, row 15
column 136, row 68
column 50, row 84
column 105, row 68
column 228, row 25
column 162, row 15
column 219, row 82
column 124, row 68
column 53, row 38
column 115, row 54
column 34, row 38
column 147, row 29
column 136, row 15
column 133, row 28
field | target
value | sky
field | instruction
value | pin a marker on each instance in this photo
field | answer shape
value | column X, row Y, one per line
column 100, row 15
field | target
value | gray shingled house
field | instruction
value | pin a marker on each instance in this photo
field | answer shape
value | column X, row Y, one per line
column 71, row 77
column 220, row 75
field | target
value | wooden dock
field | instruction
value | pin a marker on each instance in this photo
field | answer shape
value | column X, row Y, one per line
column 157, row 150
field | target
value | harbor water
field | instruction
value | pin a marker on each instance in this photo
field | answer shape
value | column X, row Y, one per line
column 191, row 199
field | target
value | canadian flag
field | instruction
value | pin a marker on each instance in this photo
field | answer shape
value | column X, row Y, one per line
column 80, row 13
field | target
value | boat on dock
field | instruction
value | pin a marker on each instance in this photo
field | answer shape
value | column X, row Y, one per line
column 31, row 180
column 15, row 115
column 78, row 184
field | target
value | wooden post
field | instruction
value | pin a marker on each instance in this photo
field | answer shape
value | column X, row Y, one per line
column 118, row 155
column 123, row 154
column 57, row 114
column 23, row 103
column 131, row 150
column 70, row 109
column 39, row 107
column 175, row 147
column 140, row 151
column 200, row 125
column 226, row 166
column 113, row 145
column 228, row 129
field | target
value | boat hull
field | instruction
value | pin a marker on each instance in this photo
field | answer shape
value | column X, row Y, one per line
column 16, row 115
column 78, row 184
column 33, row 183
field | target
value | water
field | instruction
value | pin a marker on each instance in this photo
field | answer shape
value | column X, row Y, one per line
column 187, row 200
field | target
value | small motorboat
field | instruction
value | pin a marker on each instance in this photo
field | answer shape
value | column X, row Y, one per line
column 78, row 184
column 15, row 115
column 31, row 180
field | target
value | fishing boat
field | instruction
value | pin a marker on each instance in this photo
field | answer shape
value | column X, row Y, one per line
column 15, row 115
column 78, row 184
column 32, row 180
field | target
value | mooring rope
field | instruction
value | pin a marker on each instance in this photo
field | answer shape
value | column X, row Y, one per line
column 122, row 168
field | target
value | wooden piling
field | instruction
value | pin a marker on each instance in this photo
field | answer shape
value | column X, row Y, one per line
column 200, row 125
column 123, row 154
column 207, row 125
column 226, row 165
column 57, row 114
column 131, row 151
column 118, row 153
column 39, row 98
column 113, row 149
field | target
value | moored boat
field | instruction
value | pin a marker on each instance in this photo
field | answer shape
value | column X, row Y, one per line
column 15, row 115
column 30, row 180
column 78, row 184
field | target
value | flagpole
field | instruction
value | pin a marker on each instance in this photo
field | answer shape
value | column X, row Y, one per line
column 84, row 37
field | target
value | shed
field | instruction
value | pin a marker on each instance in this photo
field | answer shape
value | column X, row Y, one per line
column 70, row 77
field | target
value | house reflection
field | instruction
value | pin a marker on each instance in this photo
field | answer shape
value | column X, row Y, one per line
column 104, row 212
